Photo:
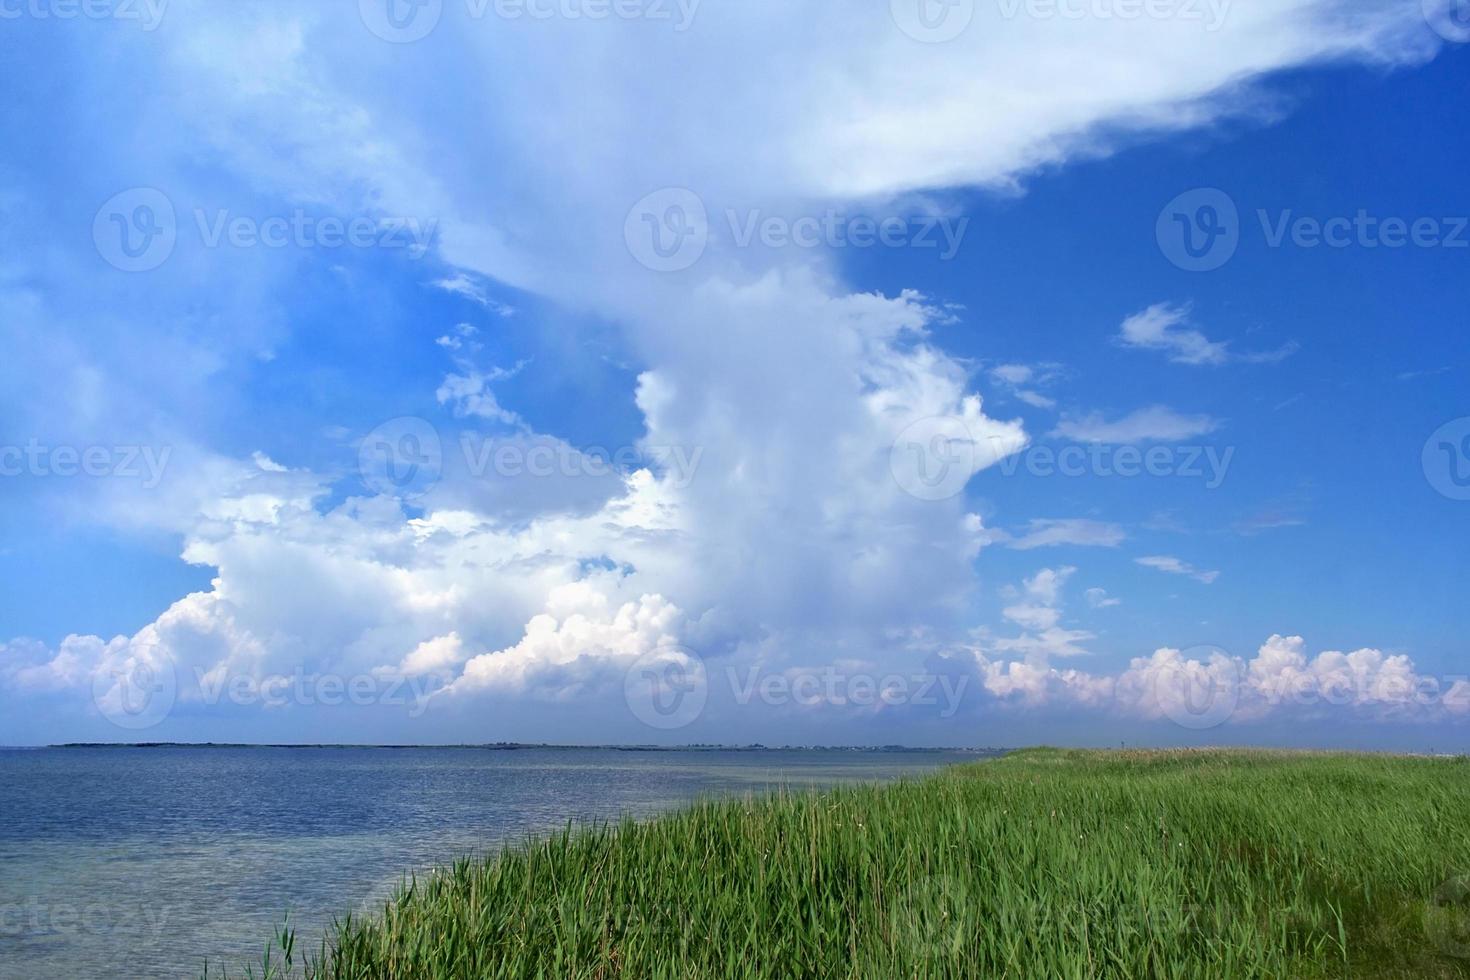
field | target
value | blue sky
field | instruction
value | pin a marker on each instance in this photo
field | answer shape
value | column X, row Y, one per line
column 774, row 414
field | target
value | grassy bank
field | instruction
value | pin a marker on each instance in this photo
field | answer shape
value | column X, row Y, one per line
column 1042, row 864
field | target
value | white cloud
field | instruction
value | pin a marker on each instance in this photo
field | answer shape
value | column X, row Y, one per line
column 1036, row 400
column 1157, row 423
column 1072, row 531
column 364, row 588
column 1039, row 614
column 1163, row 327
column 578, row 646
column 1213, row 688
column 1268, row 520
column 1207, row 687
column 470, row 394
column 1166, row 327
column 1023, row 380
column 1014, row 374
column 1426, row 373
column 440, row 657
column 1046, row 585
column 462, row 337
column 1098, row 598
column 1167, row 563
column 1035, row 686
column 473, row 289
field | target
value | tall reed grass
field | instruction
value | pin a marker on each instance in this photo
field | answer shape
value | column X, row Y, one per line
column 1042, row 864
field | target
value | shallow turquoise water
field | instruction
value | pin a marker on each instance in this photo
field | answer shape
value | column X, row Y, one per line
column 133, row 862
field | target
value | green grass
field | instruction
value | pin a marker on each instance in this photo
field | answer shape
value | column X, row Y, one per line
column 1045, row 863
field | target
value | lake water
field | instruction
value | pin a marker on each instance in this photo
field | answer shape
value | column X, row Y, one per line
column 142, row 862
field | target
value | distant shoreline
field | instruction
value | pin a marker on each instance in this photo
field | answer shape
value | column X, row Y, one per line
column 515, row 746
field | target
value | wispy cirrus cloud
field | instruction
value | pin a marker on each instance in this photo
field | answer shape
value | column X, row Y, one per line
column 476, row 290
column 1268, row 520
column 1025, row 382
column 1050, row 533
column 1167, row 327
column 1156, row 423
column 1175, row 566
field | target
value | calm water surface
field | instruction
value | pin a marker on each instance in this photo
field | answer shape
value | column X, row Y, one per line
column 133, row 862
